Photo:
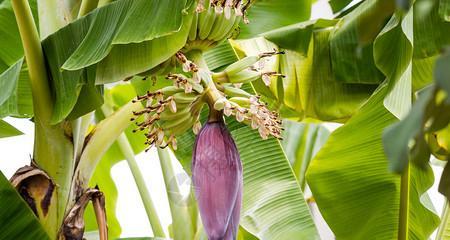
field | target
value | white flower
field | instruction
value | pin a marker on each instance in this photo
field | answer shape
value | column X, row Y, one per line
column 197, row 126
column 172, row 105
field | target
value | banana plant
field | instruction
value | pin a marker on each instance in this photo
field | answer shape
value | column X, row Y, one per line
column 208, row 83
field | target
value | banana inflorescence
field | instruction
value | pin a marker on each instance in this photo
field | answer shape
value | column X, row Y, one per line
column 172, row 110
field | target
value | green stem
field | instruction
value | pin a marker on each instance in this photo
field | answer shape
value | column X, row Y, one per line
column 53, row 150
column 86, row 7
column 42, row 101
column 147, row 200
column 179, row 206
column 210, row 88
column 404, row 205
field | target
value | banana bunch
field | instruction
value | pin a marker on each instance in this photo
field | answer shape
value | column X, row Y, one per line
column 168, row 112
column 216, row 20
column 172, row 110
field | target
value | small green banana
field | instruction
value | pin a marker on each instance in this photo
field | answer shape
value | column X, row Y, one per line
column 220, row 25
column 194, row 25
column 168, row 115
column 244, row 76
column 167, row 125
column 241, row 65
column 184, row 97
column 241, row 101
column 171, row 90
column 183, row 127
column 235, row 92
column 227, row 33
column 206, row 22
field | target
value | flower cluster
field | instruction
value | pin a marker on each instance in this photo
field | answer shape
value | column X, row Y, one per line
column 258, row 115
column 155, row 106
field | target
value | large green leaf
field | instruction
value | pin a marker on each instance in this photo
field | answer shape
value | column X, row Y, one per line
column 355, row 192
column 127, row 60
column 297, row 37
column 271, row 14
column 90, row 39
column 273, row 204
column 431, row 32
column 310, row 88
column 17, row 221
column 6, row 130
column 393, row 50
column 351, row 42
column 123, row 22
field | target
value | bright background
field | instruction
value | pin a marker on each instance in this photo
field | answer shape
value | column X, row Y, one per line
column 16, row 152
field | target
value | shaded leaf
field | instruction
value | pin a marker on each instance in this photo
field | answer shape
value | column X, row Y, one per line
column 351, row 42
column 271, row 14
column 297, row 37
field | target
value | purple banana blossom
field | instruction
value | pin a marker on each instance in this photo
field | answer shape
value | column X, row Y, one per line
column 217, row 178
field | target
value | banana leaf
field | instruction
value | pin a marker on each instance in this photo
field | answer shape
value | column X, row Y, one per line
column 272, row 14
column 7, row 130
column 354, row 190
column 89, row 42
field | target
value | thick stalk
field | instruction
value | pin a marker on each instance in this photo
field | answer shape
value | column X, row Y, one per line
column 53, row 150
column 147, row 200
column 87, row 6
column 404, row 205
column 211, row 90
column 42, row 101
column 179, row 205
